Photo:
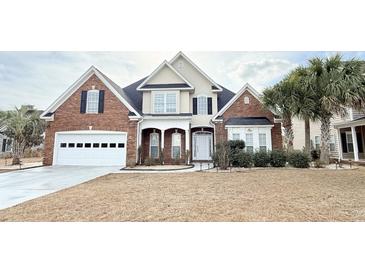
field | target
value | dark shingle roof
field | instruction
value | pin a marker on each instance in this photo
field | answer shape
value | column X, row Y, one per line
column 249, row 121
column 223, row 97
column 177, row 85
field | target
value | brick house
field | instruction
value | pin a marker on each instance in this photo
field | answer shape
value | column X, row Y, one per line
column 177, row 109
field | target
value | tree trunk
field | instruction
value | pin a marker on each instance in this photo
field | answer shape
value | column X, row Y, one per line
column 325, row 139
column 307, row 135
column 288, row 132
column 17, row 152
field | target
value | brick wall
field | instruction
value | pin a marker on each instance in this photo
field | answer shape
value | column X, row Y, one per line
column 68, row 118
column 253, row 109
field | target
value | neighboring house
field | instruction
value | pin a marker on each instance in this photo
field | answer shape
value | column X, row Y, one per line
column 347, row 139
column 177, row 108
column 5, row 144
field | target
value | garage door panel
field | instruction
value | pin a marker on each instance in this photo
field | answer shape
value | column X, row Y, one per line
column 90, row 149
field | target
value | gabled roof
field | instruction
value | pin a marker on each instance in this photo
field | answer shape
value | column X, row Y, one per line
column 114, row 88
column 246, row 87
column 215, row 86
column 144, row 84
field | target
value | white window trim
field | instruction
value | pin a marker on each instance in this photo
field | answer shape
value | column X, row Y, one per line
column 347, row 141
column 172, row 144
column 92, row 91
column 165, row 92
column 158, row 145
column 242, row 130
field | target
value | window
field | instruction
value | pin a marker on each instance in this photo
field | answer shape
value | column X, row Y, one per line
column 262, row 141
column 79, row 145
column 235, row 136
column 71, row 144
column 104, row 145
column 87, row 145
column 92, row 103
column 350, row 145
column 176, row 145
column 165, row 103
column 96, row 145
column 246, row 100
column 154, row 143
column 121, row 145
column 249, row 142
column 332, row 143
column 202, row 105
column 63, row 145
column 112, row 145
column 317, row 142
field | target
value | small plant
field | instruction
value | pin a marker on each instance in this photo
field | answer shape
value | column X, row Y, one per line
column 221, row 156
column 236, row 146
column 187, row 157
column 147, row 161
column 299, row 159
column 131, row 163
column 244, row 159
column 319, row 164
column 278, row 158
column 261, row 159
column 161, row 157
column 139, row 155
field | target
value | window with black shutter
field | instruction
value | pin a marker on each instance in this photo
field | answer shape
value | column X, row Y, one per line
column 101, row 101
column 210, row 110
column 195, row 106
column 83, row 101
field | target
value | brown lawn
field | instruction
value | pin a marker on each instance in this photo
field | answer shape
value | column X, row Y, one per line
column 269, row 195
column 7, row 162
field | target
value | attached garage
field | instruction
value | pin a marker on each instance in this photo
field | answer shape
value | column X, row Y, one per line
column 90, row 148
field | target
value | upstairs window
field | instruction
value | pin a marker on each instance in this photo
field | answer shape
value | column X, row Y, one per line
column 202, row 104
column 92, row 103
column 165, row 103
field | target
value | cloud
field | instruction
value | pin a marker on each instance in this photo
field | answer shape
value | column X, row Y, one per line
column 260, row 73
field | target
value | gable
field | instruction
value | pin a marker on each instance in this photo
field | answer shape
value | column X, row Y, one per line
column 237, row 107
column 193, row 73
column 165, row 77
column 91, row 72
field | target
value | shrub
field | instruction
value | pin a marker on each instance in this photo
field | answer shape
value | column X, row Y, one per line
column 278, row 158
column 261, row 159
column 244, row 159
column 147, row 161
column 221, row 156
column 316, row 154
column 236, row 144
column 299, row 159
column 319, row 164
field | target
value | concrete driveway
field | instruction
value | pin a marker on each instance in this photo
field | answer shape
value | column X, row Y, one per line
column 23, row 185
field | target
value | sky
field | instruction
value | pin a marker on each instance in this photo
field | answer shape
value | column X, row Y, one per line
column 38, row 78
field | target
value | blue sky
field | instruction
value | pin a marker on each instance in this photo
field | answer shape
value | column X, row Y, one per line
column 38, row 78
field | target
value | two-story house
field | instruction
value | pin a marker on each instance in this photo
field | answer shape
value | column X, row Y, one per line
column 177, row 110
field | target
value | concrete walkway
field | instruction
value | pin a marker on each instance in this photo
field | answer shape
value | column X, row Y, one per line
column 197, row 167
column 23, row 185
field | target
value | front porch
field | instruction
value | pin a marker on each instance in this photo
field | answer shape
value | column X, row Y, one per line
column 352, row 140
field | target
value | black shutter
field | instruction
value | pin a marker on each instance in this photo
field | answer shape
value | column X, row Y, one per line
column 195, row 106
column 343, row 142
column 101, row 101
column 359, row 142
column 210, row 111
column 83, row 101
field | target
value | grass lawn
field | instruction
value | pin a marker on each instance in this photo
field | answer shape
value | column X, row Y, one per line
column 265, row 195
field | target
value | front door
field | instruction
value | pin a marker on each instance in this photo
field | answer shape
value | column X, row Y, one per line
column 202, row 146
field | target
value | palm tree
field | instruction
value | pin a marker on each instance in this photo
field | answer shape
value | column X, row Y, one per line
column 278, row 98
column 335, row 85
column 22, row 125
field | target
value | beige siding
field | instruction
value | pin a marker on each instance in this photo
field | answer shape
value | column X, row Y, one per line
column 146, row 107
column 165, row 76
column 184, row 102
column 202, row 87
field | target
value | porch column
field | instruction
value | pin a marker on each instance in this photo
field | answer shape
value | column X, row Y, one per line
column 339, row 140
column 163, row 143
column 187, row 142
column 354, row 142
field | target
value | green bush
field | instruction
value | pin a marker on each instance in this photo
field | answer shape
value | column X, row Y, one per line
column 261, row 159
column 316, row 154
column 236, row 144
column 299, row 159
column 278, row 158
column 244, row 159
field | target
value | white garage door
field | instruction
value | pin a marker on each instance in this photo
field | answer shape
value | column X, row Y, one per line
column 90, row 148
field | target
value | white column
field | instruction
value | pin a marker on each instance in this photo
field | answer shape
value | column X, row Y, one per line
column 340, row 150
column 354, row 142
column 162, row 138
column 187, row 141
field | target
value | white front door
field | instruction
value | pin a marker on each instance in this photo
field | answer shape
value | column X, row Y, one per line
column 90, row 148
column 202, row 146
